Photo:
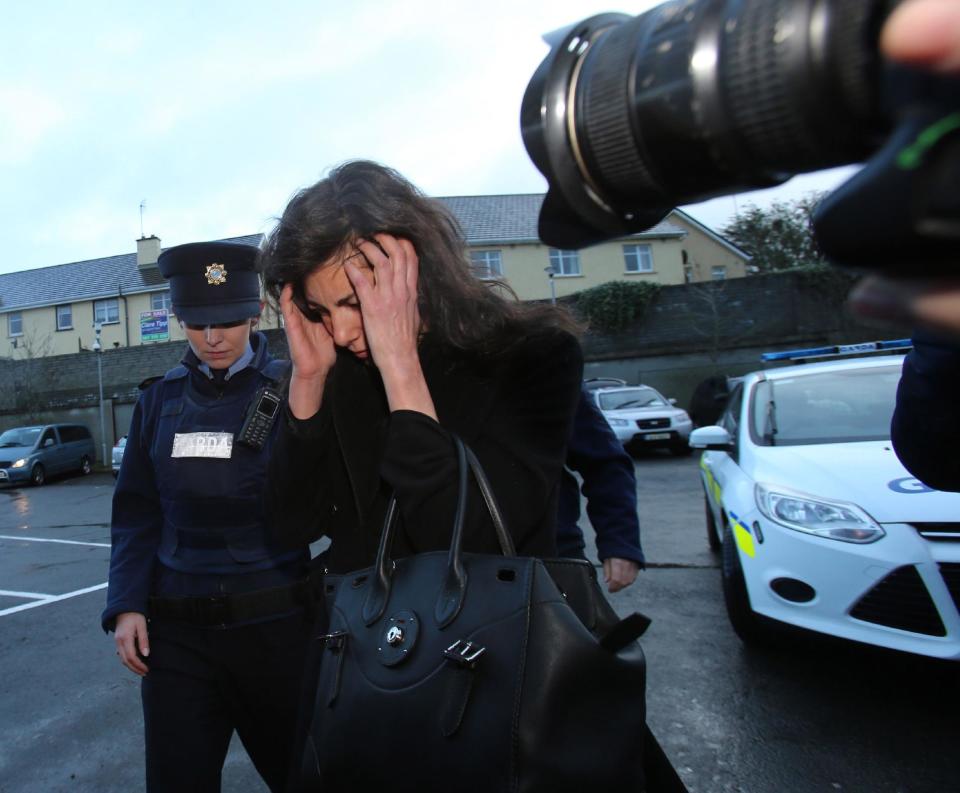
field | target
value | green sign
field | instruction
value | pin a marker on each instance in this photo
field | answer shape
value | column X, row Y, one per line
column 154, row 325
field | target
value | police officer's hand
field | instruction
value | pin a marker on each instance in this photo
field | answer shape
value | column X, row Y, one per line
column 130, row 636
column 313, row 355
column 619, row 573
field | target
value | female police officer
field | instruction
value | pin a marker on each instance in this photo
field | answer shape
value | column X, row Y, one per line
column 192, row 557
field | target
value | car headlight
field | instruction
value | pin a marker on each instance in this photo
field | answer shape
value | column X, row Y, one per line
column 618, row 422
column 834, row 520
column 20, row 463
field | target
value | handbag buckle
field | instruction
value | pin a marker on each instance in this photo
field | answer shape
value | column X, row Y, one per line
column 334, row 641
column 464, row 653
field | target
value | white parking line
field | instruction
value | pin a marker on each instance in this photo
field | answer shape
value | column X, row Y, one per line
column 63, row 542
column 28, row 595
column 51, row 599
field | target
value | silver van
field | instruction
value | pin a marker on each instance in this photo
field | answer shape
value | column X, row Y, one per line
column 34, row 453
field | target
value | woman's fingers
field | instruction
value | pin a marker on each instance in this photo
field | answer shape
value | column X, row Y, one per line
column 393, row 260
column 361, row 283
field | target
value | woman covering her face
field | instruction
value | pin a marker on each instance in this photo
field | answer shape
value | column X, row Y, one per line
column 396, row 345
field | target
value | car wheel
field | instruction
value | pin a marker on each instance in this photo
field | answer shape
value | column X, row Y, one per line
column 37, row 475
column 681, row 450
column 713, row 537
column 746, row 624
column 85, row 467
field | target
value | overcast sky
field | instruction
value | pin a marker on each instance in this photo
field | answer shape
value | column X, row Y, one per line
column 215, row 113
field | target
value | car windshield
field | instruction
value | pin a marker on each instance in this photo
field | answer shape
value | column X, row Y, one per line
column 825, row 407
column 22, row 436
column 631, row 398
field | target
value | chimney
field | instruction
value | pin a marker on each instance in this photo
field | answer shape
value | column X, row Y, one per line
column 148, row 251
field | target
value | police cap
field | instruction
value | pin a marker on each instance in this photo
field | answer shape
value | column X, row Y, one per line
column 212, row 282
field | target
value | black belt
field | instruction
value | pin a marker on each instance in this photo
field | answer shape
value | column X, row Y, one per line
column 221, row 610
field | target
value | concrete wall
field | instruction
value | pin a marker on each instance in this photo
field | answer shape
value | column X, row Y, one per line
column 690, row 332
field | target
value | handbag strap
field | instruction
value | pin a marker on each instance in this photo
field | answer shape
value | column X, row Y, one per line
column 452, row 592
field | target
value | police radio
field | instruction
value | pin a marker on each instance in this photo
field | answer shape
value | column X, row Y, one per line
column 260, row 417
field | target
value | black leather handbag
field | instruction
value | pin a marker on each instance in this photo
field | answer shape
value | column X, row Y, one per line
column 472, row 672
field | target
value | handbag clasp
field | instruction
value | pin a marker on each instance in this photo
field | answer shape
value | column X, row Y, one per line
column 464, row 653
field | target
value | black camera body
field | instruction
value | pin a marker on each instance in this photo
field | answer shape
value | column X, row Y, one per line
column 628, row 117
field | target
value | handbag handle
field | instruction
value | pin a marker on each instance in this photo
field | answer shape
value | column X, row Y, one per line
column 454, row 586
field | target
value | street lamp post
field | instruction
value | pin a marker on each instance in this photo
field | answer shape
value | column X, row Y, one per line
column 552, row 271
column 98, row 349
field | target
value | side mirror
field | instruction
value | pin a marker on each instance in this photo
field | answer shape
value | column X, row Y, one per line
column 48, row 442
column 672, row 400
column 714, row 438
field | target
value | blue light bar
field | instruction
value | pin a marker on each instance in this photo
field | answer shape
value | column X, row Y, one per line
column 839, row 349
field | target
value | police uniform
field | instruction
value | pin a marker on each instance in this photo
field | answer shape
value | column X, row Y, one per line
column 227, row 608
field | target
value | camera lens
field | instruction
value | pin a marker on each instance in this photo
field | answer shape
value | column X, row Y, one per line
column 628, row 117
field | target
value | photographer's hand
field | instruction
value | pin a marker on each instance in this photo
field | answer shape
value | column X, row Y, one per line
column 924, row 34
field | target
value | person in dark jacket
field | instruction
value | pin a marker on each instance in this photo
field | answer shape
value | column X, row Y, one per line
column 924, row 34
column 396, row 345
column 707, row 402
column 926, row 423
column 610, row 487
column 205, row 606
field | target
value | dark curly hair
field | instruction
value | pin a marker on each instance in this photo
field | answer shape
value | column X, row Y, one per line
column 359, row 199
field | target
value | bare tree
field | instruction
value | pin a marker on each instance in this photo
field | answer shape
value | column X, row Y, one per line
column 34, row 377
column 718, row 318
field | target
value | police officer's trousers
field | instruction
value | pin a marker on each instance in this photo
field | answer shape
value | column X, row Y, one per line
column 204, row 683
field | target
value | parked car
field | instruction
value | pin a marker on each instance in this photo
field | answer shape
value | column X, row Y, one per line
column 31, row 454
column 117, row 455
column 641, row 416
column 818, row 523
column 593, row 383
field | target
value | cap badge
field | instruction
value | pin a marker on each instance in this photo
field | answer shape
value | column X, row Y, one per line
column 216, row 274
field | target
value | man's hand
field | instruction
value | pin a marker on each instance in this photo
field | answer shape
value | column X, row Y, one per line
column 130, row 636
column 619, row 573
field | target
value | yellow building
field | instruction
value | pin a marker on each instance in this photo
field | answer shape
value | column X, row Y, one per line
column 57, row 310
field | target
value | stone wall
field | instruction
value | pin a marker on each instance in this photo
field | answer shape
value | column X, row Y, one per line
column 689, row 332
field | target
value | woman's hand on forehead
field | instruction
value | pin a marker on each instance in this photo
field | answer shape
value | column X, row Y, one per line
column 391, row 319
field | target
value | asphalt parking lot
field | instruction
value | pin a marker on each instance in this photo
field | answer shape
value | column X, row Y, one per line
column 812, row 716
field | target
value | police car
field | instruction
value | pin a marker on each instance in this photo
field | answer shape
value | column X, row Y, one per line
column 818, row 523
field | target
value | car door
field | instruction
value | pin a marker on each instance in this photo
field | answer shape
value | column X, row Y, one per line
column 721, row 467
column 50, row 451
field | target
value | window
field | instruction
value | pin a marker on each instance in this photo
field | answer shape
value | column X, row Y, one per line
column 70, row 433
column 106, row 311
column 159, row 300
column 15, row 324
column 486, row 264
column 564, row 262
column 718, row 273
column 638, row 258
column 64, row 317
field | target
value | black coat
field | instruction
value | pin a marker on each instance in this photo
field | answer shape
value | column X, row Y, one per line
column 333, row 474
column 926, row 423
column 610, row 487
